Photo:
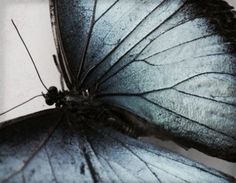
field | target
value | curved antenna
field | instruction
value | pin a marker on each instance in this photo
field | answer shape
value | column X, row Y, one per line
column 20, row 104
column 31, row 58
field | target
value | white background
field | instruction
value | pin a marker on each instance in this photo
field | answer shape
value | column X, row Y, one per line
column 18, row 79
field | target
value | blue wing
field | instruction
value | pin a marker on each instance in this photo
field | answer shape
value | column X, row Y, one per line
column 47, row 147
column 169, row 63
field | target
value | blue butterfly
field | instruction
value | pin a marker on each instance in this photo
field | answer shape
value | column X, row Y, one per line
column 159, row 68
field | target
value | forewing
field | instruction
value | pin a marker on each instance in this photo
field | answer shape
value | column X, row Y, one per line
column 171, row 63
column 47, row 147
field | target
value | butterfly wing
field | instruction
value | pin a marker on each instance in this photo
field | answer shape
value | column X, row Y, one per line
column 170, row 63
column 47, row 147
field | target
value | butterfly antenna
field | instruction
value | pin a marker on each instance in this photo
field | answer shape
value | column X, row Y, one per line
column 21, row 104
column 31, row 58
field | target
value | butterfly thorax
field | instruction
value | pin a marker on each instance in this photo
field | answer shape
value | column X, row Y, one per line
column 79, row 103
column 82, row 106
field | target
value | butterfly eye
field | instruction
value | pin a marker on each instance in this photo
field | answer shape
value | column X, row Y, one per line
column 49, row 101
column 53, row 90
column 52, row 96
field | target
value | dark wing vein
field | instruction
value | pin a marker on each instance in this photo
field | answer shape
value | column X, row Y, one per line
column 87, row 42
column 124, row 66
column 92, row 128
column 97, row 156
column 183, row 117
column 107, row 10
column 193, row 121
column 184, row 60
column 163, row 153
column 108, row 163
column 202, row 97
column 166, row 88
column 181, row 44
column 117, row 62
column 89, row 72
column 137, row 156
column 100, row 81
column 35, row 152
column 51, row 166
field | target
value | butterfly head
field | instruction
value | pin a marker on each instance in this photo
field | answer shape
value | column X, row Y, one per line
column 54, row 96
column 65, row 98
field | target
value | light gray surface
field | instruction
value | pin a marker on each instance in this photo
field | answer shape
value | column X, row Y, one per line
column 232, row 2
column 18, row 80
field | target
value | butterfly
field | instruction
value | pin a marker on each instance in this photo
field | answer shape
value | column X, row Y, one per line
column 157, row 67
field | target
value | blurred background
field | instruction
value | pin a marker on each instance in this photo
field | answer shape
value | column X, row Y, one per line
column 18, row 79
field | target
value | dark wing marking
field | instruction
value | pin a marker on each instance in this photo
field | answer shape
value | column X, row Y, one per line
column 48, row 147
column 73, row 17
column 171, row 63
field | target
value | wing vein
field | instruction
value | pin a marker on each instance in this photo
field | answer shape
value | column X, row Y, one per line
column 162, row 154
column 166, row 88
column 97, row 156
column 196, row 122
column 87, row 42
column 126, row 65
column 95, row 66
column 51, row 166
column 132, row 153
column 181, row 44
column 183, row 60
column 184, row 117
column 108, row 163
column 35, row 152
column 148, row 166
column 181, row 161
column 108, row 9
column 202, row 97
column 105, row 73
